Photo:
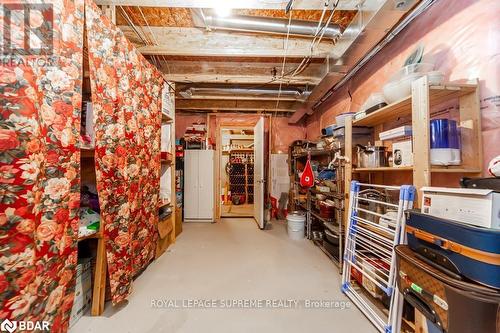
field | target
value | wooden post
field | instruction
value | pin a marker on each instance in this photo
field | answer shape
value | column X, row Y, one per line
column 98, row 295
column 421, row 135
column 348, row 166
column 110, row 12
column 471, row 135
column 173, row 199
column 218, row 158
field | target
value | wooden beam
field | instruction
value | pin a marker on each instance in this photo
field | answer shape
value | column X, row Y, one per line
column 193, row 41
column 236, row 79
column 421, row 136
column 110, row 12
column 227, row 105
column 236, row 72
column 236, row 4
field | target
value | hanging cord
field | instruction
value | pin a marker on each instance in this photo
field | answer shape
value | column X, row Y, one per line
column 153, row 36
column 284, row 56
column 307, row 60
column 132, row 25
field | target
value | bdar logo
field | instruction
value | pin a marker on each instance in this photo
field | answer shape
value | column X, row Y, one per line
column 8, row 326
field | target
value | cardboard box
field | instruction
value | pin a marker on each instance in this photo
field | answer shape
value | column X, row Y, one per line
column 471, row 206
column 83, row 291
column 402, row 154
column 81, row 305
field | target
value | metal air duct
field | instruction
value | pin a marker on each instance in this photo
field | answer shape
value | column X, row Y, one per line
column 296, row 94
column 257, row 24
column 372, row 24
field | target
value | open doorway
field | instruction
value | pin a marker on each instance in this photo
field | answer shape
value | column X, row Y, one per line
column 237, row 171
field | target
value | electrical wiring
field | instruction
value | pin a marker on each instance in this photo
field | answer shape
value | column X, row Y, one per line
column 307, row 60
column 146, row 41
column 132, row 25
column 153, row 36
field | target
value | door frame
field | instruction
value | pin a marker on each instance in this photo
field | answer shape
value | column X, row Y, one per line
column 218, row 153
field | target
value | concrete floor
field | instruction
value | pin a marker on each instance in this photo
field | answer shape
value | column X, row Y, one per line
column 233, row 260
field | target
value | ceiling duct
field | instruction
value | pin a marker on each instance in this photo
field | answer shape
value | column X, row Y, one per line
column 295, row 94
column 257, row 24
column 371, row 25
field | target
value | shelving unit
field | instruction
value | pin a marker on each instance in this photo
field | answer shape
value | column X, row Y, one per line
column 241, row 174
column 241, row 181
column 166, row 225
column 306, row 202
column 100, row 274
column 403, row 108
column 416, row 110
column 88, row 174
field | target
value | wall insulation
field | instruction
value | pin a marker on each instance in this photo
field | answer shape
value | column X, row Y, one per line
column 462, row 38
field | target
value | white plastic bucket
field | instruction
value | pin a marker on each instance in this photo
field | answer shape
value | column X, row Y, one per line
column 296, row 225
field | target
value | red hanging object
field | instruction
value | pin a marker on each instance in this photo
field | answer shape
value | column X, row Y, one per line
column 307, row 178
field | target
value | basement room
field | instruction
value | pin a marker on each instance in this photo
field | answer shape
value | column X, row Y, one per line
column 250, row 166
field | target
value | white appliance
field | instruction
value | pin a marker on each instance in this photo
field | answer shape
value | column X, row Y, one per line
column 402, row 154
column 199, row 186
column 472, row 206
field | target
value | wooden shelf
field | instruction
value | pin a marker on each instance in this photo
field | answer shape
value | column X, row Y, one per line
column 327, row 194
column 166, row 118
column 382, row 169
column 163, row 203
column 390, row 112
column 239, row 151
column 402, row 108
column 435, row 169
column 454, row 169
column 95, row 235
column 315, row 152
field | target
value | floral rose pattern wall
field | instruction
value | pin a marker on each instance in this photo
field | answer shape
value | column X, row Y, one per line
column 126, row 96
column 40, row 102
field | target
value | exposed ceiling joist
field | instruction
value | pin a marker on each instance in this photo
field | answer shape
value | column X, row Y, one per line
column 206, row 71
column 234, row 79
column 192, row 41
column 236, row 4
column 231, row 105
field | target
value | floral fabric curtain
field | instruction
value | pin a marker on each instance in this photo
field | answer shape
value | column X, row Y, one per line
column 40, row 103
column 126, row 98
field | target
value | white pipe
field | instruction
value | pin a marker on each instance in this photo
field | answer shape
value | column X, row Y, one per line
column 261, row 25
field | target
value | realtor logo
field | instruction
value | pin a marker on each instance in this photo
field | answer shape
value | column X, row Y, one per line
column 27, row 29
column 8, row 326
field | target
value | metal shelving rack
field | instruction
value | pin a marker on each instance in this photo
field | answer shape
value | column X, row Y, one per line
column 334, row 225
